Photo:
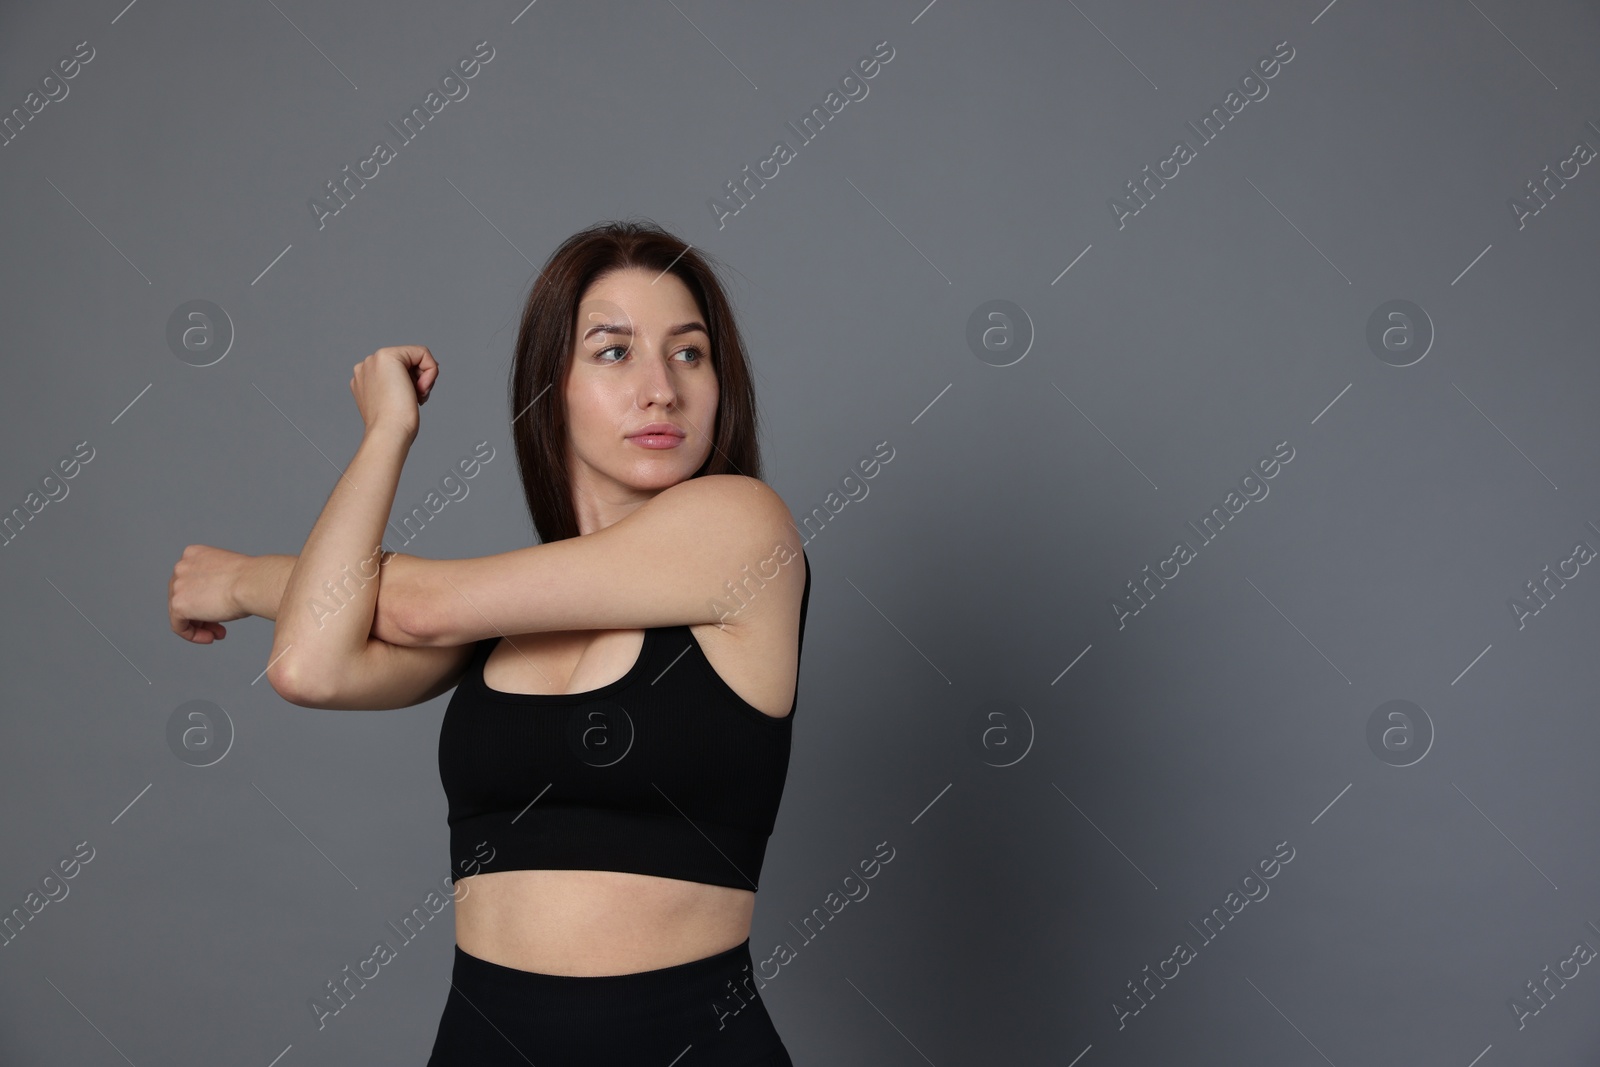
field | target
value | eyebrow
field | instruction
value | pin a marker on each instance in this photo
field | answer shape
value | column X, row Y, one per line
column 611, row 327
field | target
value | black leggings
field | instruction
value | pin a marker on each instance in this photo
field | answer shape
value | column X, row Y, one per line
column 704, row 1013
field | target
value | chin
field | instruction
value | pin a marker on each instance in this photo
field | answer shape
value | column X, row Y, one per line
column 659, row 476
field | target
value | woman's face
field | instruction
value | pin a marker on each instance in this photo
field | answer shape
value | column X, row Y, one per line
column 641, row 357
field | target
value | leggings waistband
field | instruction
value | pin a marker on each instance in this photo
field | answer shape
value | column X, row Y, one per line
column 674, row 973
column 677, row 976
column 710, row 1008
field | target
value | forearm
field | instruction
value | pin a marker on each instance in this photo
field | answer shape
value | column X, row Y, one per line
column 324, row 617
column 259, row 587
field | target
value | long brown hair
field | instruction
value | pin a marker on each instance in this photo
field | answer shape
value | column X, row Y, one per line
column 544, row 352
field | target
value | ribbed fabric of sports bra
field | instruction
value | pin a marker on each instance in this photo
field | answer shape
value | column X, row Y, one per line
column 665, row 771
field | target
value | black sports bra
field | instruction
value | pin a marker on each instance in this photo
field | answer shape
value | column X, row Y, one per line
column 665, row 771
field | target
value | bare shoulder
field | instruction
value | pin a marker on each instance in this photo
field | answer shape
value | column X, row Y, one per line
column 754, row 644
column 726, row 497
column 771, row 552
column 759, row 661
column 760, row 568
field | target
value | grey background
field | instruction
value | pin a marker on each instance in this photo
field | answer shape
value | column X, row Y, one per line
column 1229, row 315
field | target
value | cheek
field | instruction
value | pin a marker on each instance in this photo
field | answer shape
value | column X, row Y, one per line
column 710, row 398
column 588, row 420
column 589, row 404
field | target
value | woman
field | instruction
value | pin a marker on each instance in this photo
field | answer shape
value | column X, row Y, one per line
column 616, row 748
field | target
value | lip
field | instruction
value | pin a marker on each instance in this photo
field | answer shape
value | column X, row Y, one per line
column 657, row 435
column 658, row 429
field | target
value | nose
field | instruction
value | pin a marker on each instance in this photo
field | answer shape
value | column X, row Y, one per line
column 656, row 385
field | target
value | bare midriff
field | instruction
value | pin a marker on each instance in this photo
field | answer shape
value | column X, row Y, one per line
column 590, row 923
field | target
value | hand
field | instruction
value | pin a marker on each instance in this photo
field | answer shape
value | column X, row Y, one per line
column 390, row 384
column 200, row 595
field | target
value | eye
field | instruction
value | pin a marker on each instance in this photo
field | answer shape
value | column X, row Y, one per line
column 699, row 356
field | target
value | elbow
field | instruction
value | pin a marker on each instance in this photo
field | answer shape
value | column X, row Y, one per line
column 296, row 690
